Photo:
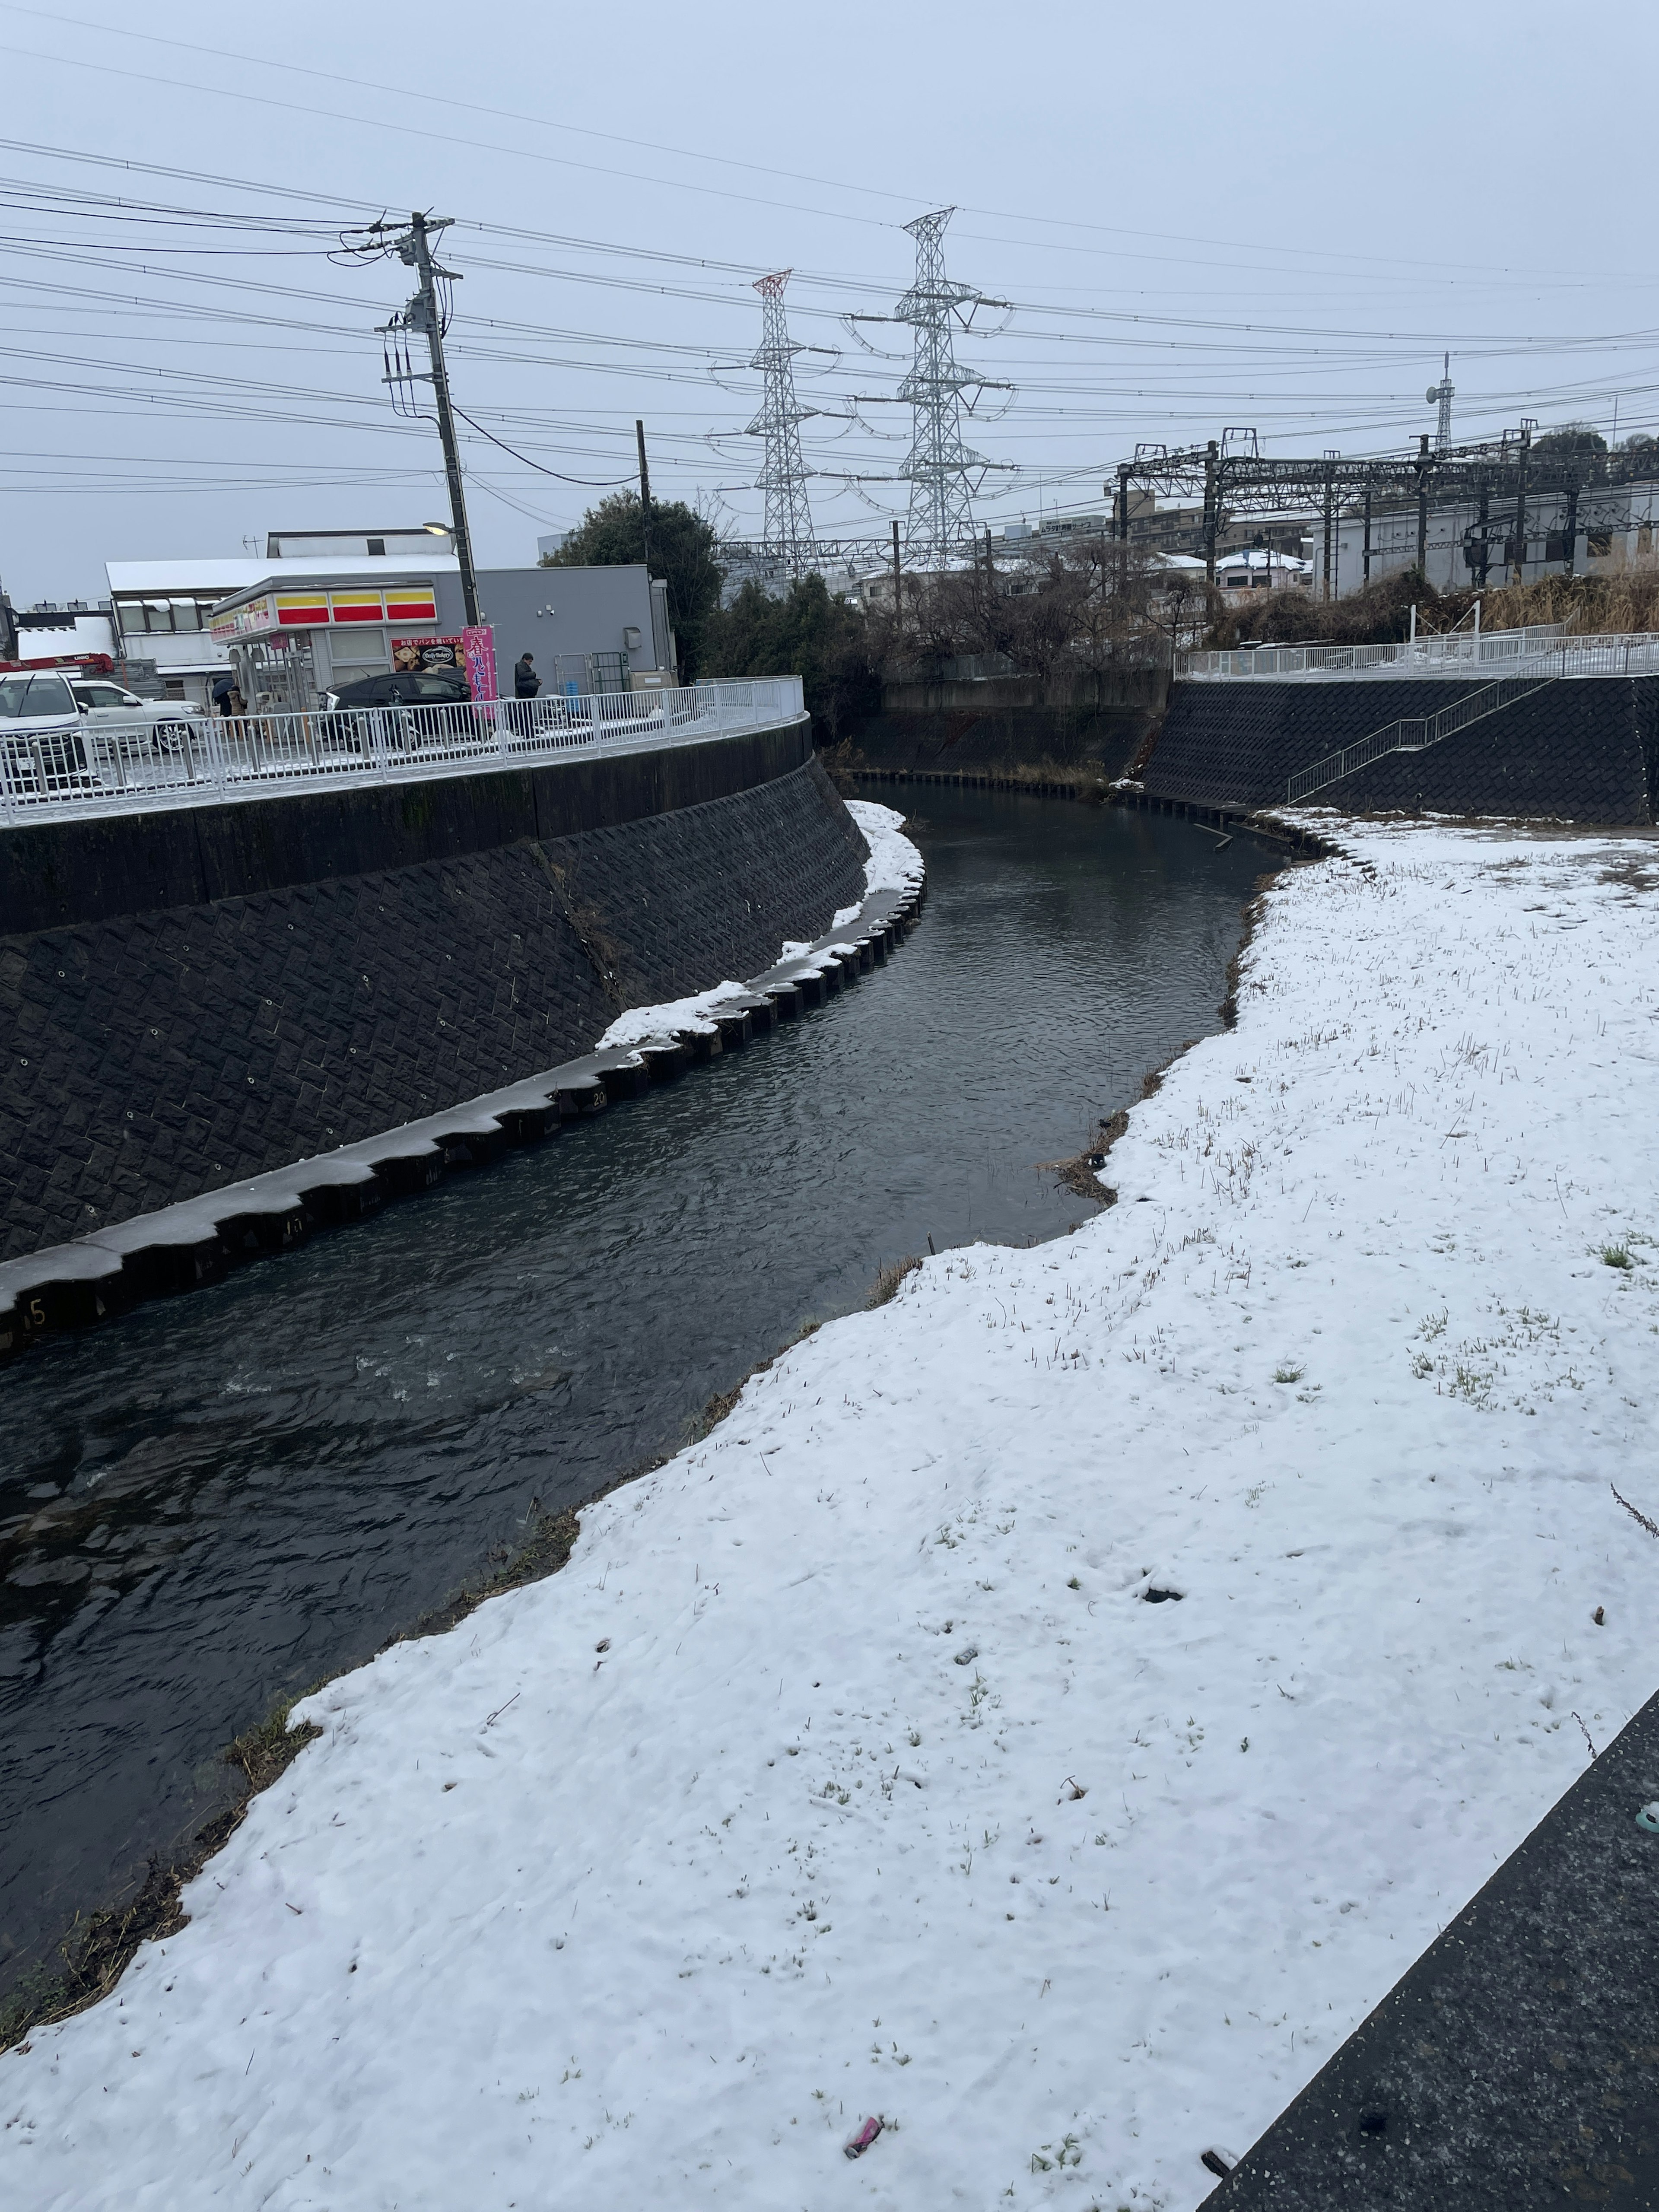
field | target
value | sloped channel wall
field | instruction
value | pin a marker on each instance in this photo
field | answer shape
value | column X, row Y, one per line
column 1584, row 750
column 199, row 996
column 1090, row 724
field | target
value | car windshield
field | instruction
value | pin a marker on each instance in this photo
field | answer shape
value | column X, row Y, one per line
column 24, row 695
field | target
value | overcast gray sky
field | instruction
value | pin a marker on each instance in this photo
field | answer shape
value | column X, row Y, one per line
column 1203, row 215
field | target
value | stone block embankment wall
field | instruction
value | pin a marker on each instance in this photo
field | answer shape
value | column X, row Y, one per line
column 1579, row 750
column 1089, row 723
column 149, row 1055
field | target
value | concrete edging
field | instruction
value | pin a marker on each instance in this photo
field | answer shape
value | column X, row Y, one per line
column 1229, row 820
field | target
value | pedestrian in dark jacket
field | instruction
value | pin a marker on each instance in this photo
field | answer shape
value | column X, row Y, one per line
column 526, row 682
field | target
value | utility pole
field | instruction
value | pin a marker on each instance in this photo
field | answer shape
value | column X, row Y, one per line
column 899, row 580
column 1518, row 545
column 422, row 314
column 1122, row 524
column 1365, row 556
column 645, row 496
column 1213, row 509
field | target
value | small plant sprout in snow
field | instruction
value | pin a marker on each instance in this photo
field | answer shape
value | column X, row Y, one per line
column 1291, row 1371
column 1616, row 1256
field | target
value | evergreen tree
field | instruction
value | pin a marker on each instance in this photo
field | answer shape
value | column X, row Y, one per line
column 810, row 633
column 682, row 554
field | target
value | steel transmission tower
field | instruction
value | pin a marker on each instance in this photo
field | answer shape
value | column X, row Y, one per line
column 786, row 534
column 1445, row 391
column 939, row 467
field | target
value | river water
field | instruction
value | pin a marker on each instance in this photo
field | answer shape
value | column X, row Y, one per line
column 227, row 1497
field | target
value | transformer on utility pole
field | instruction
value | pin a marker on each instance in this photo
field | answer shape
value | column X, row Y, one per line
column 428, row 315
column 939, row 467
column 1443, row 391
column 786, row 533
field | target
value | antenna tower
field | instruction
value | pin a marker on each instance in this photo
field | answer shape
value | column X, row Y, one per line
column 939, row 467
column 1443, row 391
column 786, row 534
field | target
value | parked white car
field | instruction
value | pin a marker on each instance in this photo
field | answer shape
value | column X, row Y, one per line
column 42, row 742
column 138, row 727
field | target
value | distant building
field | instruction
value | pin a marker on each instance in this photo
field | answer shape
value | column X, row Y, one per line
column 50, row 632
column 1614, row 527
column 162, row 613
column 1259, row 569
column 297, row 627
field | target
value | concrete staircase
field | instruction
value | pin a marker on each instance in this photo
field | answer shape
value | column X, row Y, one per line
column 1414, row 734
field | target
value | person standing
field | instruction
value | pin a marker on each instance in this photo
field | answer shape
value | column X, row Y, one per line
column 526, row 682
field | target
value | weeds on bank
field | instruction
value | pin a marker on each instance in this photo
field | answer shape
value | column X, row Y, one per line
column 889, row 1277
column 96, row 1952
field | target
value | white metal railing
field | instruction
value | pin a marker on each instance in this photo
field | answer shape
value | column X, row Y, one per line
column 199, row 760
column 1612, row 654
column 1415, row 733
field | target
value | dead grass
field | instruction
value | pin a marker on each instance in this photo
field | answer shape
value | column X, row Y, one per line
column 843, row 764
column 889, row 1277
column 543, row 1550
column 1081, row 1175
column 725, row 1401
column 1084, row 779
column 96, row 1952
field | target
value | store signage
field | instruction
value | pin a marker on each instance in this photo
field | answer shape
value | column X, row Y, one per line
column 296, row 610
column 411, row 653
column 252, row 616
column 356, row 606
column 478, row 646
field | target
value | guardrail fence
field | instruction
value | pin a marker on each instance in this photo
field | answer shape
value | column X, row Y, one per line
column 1545, row 646
column 106, row 766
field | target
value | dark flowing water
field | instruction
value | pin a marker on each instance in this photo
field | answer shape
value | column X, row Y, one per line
column 227, row 1497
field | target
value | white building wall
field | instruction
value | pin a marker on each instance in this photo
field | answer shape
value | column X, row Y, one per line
column 1624, row 524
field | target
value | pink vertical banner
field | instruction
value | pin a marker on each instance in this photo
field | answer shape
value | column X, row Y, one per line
column 479, row 651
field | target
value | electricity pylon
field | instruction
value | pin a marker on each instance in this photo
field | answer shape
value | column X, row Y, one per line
column 786, row 533
column 1445, row 391
column 939, row 467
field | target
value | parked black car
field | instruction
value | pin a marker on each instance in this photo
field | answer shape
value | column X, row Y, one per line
column 443, row 693
column 418, row 686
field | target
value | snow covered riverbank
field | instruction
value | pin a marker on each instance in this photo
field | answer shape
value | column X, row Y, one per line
column 847, row 1770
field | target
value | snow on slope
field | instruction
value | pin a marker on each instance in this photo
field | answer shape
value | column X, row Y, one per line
column 846, row 1771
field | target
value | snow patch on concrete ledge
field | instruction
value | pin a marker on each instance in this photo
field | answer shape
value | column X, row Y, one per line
column 847, row 1770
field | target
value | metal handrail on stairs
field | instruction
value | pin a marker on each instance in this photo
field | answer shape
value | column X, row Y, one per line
column 1474, row 707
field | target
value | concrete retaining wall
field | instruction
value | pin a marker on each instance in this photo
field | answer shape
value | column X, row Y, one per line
column 1578, row 751
column 53, row 872
column 1092, row 724
column 149, row 1056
